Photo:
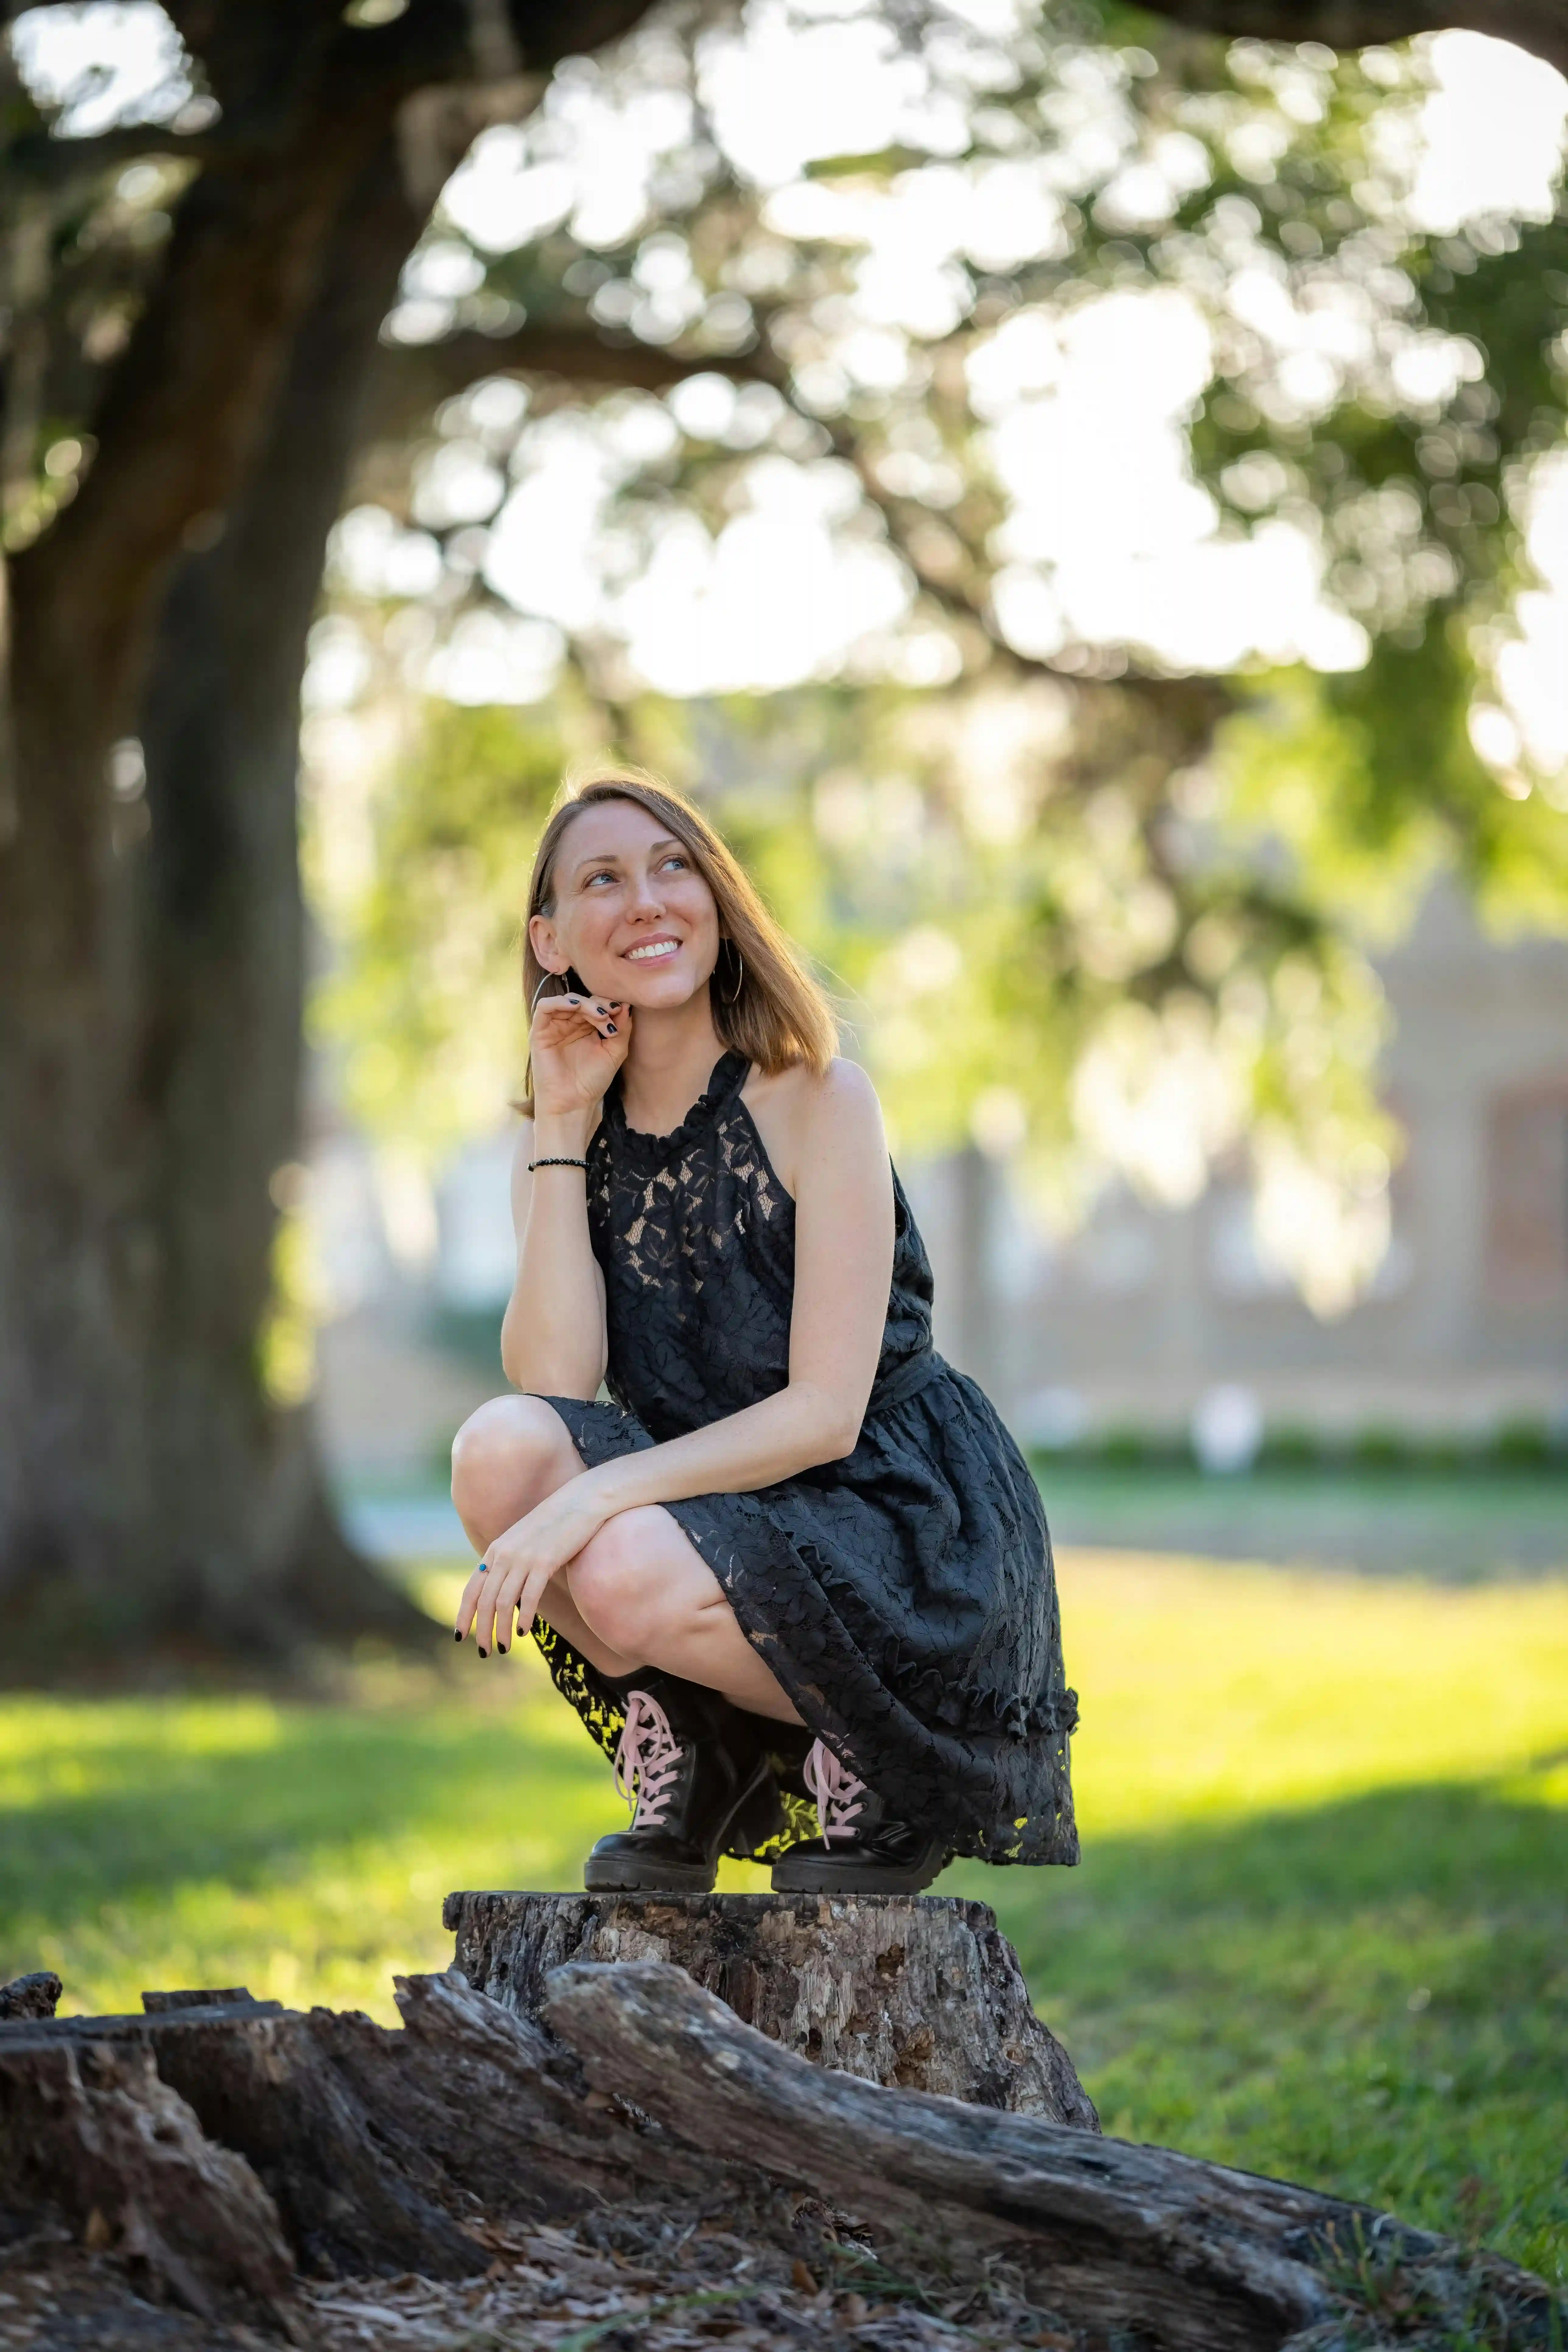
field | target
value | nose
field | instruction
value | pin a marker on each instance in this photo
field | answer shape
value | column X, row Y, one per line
column 650, row 899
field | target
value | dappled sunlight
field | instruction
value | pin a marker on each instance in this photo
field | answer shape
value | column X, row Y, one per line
column 53, row 1747
column 1317, row 1930
column 304, row 1851
column 305, row 1856
column 1216, row 1692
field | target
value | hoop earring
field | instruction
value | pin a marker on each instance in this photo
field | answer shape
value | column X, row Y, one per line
column 540, row 990
column 739, row 972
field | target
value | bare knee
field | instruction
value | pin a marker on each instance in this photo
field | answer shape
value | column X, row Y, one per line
column 615, row 1583
column 505, row 1458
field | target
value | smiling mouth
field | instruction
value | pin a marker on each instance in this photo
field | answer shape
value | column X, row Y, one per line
column 654, row 952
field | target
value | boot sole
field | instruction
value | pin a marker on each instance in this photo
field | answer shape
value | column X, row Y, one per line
column 612, row 1877
column 851, row 1878
column 623, row 1874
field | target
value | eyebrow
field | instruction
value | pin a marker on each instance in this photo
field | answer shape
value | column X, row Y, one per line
column 610, row 859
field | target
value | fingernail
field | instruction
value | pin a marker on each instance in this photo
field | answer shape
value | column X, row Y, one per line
column 573, row 1000
column 500, row 1648
column 611, row 1030
column 484, row 1653
column 457, row 1635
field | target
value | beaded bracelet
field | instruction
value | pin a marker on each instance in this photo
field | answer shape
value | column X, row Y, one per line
column 548, row 1162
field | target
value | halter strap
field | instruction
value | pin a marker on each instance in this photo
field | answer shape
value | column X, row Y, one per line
column 726, row 1079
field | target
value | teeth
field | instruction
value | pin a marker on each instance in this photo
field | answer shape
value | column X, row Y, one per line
column 648, row 954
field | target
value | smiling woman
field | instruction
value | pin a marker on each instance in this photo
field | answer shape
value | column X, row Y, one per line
column 796, row 1556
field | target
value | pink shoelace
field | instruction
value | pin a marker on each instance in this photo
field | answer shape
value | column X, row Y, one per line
column 836, row 1792
column 649, row 1758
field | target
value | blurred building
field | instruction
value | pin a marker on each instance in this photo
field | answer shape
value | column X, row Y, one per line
column 1146, row 1318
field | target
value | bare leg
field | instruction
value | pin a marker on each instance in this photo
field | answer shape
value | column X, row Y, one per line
column 646, row 1588
column 506, row 1458
column 638, row 1594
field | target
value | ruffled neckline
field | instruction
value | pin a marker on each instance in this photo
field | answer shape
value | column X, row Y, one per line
column 724, row 1079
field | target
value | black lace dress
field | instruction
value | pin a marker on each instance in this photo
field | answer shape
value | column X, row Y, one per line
column 904, row 1596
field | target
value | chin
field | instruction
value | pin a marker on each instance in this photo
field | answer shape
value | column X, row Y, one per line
column 666, row 994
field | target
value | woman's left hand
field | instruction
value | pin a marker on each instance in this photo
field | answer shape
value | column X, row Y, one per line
column 518, row 1567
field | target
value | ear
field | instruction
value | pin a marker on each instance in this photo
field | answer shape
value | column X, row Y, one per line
column 543, row 940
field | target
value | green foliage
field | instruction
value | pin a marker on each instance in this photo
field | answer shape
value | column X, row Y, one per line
column 427, row 993
column 1114, row 918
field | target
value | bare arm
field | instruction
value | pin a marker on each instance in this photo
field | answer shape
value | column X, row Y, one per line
column 552, row 1336
column 844, row 1262
column 843, row 1265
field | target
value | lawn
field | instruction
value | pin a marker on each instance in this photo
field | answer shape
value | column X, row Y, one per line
column 1321, row 1927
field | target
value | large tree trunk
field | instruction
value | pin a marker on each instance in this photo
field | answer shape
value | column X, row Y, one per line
column 71, row 1272
column 249, row 1551
column 183, row 423
column 150, row 950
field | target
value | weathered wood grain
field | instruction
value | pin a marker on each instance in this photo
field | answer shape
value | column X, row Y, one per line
column 222, row 2146
column 1186, row 2256
column 380, row 2149
column 921, row 1993
column 91, row 2135
column 37, row 1995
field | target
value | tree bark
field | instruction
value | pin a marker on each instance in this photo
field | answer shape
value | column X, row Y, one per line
column 919, row 1993
column 1188, row 2256
column 378, row 2149
column 249, row 1550
column 94, row 2135
column 150, row 947
column 79, row 1401
column 222, row 2146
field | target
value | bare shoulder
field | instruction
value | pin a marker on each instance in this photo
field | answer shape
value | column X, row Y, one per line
column 803, row 1114
column 843, row 1098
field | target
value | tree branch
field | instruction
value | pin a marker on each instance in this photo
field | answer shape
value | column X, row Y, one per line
column 184, row 407
column 1539, row 26
column 413, row 379
column 60, row 162
column 1197, row 704
column 183, row 410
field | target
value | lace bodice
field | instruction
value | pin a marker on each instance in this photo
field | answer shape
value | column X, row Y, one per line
column 696, row 1237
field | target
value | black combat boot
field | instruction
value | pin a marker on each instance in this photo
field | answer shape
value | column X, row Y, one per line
column 861, row 1850
column 695, row 1789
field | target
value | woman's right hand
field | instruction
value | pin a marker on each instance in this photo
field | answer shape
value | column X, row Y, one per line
column 577, row 1045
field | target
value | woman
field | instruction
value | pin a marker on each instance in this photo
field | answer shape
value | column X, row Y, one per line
column 798, row 1555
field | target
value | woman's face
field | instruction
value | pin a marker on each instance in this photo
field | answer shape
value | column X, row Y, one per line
column 633, row 916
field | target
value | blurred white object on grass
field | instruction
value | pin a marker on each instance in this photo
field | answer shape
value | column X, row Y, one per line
column 1226, row 1431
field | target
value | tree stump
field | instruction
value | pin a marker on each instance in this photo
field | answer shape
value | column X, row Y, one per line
column 90, row 2134
column 917, row 1993
column 30, row 1996
column 219, row 2149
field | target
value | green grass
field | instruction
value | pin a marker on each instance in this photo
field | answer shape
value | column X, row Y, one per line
column 1321, row 1928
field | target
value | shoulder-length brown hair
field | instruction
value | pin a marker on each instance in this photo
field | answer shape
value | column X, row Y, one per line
column 778, row 1013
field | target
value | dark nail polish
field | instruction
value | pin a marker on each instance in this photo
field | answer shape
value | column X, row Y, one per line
column 484, row 1653
column 611, row 1030
column 457, row 1636
column 500, row 1649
